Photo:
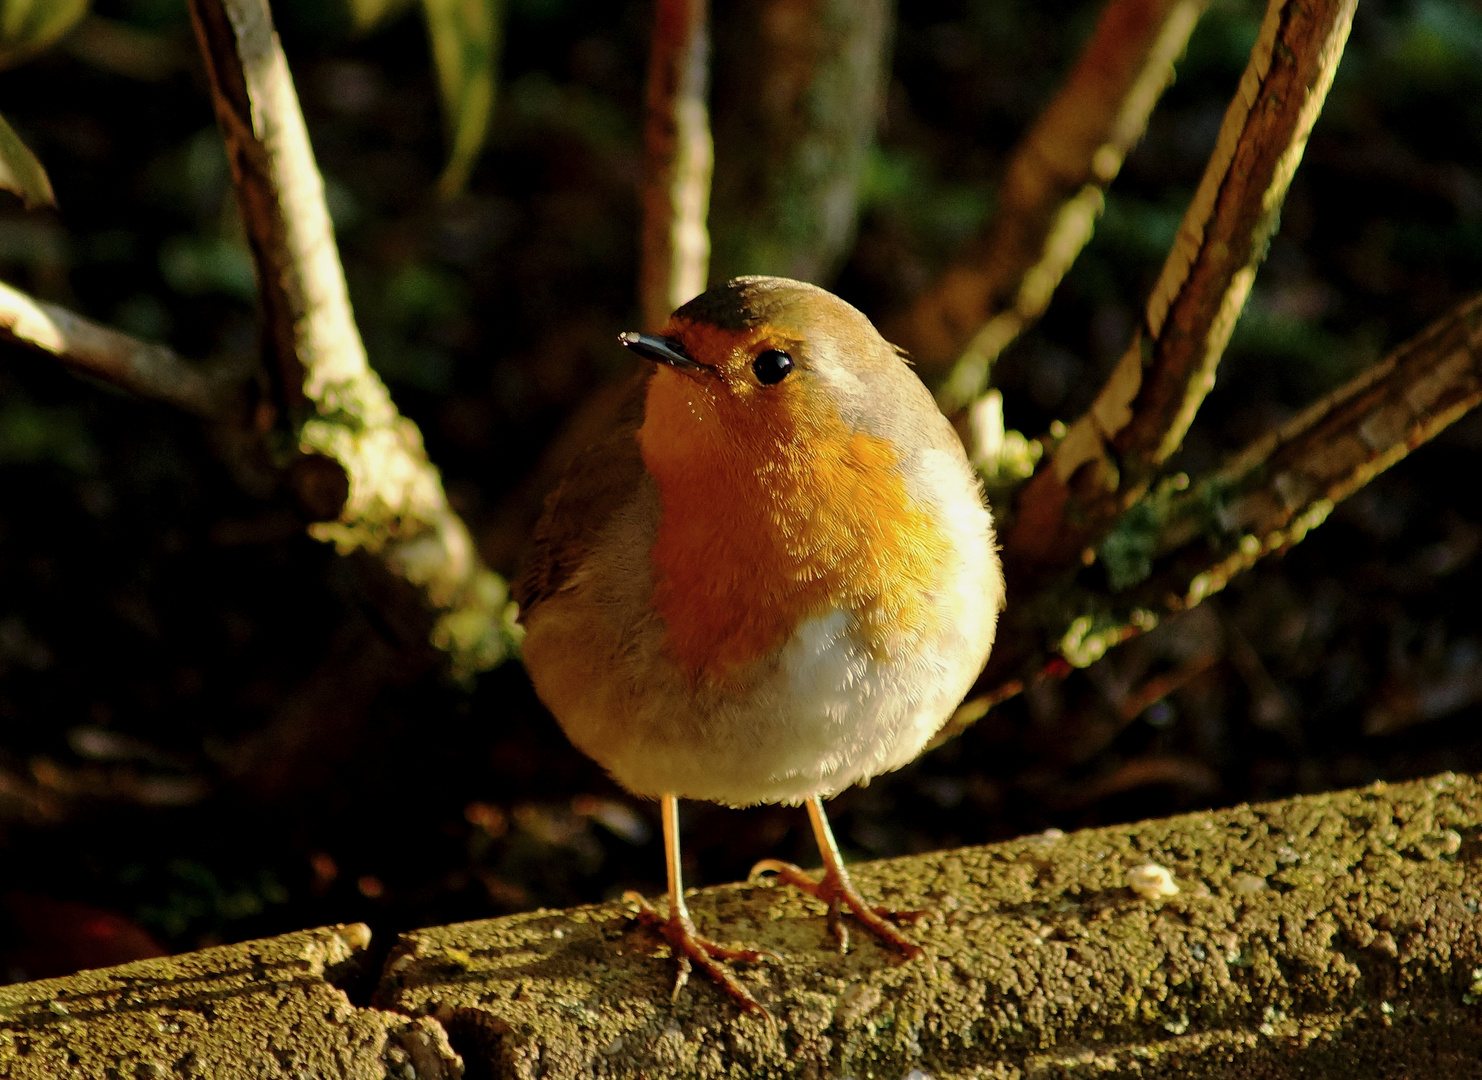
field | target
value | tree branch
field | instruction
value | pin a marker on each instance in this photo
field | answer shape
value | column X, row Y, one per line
column 1051, row 197
column 1183, row 546
column 677, row 159
column 154, row 372
column 383, row 496
column 1108, row 457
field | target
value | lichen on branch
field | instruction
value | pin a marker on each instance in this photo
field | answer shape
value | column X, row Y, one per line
column 1109, row 456
column 391, row 504
column 1185, row 541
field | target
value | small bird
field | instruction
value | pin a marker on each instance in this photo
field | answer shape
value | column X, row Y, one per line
column 775, row 577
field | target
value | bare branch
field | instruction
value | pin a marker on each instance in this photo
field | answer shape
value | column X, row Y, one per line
column 1267, row 498
column 1051, row 196
column 800, row 86
column 150, row 371
column 1288, row 481
column 1107, row 458
column 677, row 158
column 390, row 502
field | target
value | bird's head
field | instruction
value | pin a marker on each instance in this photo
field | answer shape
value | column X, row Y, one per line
column 762, row 365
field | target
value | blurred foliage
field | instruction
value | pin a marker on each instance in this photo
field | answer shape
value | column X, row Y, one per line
column 29, row 26
column 465, row 50
column 275, row 760
column 20, row 172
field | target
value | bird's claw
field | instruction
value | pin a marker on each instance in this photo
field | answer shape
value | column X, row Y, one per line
column 836, row 890
column 689, row 948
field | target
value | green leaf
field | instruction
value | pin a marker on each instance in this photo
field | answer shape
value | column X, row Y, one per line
column 28, row 26
column 464, row 36
column 21, row 173
column 369, row 14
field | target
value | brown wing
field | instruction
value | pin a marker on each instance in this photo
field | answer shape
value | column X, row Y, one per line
column 600, row 480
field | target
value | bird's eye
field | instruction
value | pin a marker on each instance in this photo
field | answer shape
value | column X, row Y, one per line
column 771, row 367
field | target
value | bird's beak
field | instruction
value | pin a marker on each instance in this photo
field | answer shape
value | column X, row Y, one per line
column 662, row 351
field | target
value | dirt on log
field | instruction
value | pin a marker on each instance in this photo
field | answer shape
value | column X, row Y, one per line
column 1317, row 936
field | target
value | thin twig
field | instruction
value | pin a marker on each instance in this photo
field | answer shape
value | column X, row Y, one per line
column 1267, row 498
column 390, row 502
column 149, row 371
column 1051, row 196
column 677, row 161
column 1108, row 456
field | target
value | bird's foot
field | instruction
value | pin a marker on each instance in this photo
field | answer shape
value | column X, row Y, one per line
column 689, row 948
column 836, row 890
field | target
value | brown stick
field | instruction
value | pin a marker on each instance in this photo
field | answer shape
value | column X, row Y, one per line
column 1107, row 458
column 677, row 159
column 371, row 471
column 1267, row 498
column 150, row 371
column 1051, row 196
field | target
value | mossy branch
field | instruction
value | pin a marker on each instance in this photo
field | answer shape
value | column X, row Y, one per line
column 381, row 495
column 1184, row 543
column 1109, row 456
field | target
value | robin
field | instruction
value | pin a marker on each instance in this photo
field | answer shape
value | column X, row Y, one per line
column 773, row 579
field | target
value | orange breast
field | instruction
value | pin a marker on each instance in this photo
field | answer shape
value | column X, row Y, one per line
column 774, row 513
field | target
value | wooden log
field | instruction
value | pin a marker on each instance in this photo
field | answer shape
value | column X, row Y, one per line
column 1318, row 936
column 262, row 1009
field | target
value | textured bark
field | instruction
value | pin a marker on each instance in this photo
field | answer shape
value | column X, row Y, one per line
column 1105, row 462
column 1320, row 936
column 1050, row 198
column 677, row 159
column 362, row 465
column 799, row 90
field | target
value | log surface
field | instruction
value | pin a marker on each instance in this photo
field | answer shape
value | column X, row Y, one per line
column 1316, row 936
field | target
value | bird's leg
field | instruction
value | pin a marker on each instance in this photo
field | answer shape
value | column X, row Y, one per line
column 835, row 889
column 679, row 930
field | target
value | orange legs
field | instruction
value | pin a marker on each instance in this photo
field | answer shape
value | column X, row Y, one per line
column 678, row 929
column 836, row 890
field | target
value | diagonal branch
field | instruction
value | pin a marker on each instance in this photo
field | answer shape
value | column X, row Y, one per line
column 1109, row 456
column 1051, row 196
column 1192, row 542
column 153, row 372
column 677, row 160
column 389, row 502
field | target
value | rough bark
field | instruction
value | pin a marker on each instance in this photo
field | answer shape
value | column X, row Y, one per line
column 1320, row 936
column 1051, row 196
column 799, row 90
column 1107, row 458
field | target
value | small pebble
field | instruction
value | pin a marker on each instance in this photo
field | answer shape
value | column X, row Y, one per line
column 1152, row 882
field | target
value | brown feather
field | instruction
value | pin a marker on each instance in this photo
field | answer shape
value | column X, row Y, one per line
column 599, row 481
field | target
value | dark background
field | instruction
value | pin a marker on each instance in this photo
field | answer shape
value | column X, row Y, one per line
column 206, row 733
